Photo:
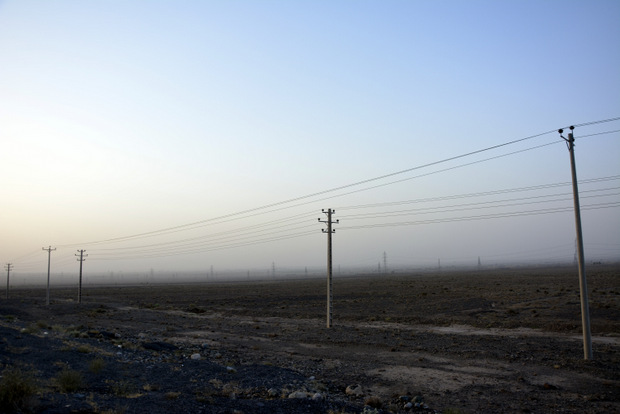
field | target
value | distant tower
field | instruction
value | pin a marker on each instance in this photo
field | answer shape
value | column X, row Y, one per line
column 273, row 269
column 438, row 264
column 479, row 264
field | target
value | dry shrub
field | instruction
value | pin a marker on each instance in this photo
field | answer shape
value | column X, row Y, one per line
column 96, row 365
column 69, row 380
column 17, row 391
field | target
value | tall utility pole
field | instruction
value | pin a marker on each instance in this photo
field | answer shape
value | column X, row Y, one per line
column 329, row 232
column 583, row 286
column 8, row 271
column 49, row 262
column 81, row 260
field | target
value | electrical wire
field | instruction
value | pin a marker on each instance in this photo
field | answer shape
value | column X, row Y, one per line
column 291, row 200
column 483, row 217
column 194, row 242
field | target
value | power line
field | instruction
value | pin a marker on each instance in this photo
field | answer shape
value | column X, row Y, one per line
column 485, row 216
column 291, row 200
column 481, row 194
column 261, row 210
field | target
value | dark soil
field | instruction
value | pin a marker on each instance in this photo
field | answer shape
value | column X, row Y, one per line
column 488, row 341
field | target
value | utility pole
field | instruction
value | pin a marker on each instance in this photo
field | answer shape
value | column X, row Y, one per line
column 81, row 260
column 583, row 287
column 49, row 262
column 329, row 232
column 8, row 271
column 385, row 263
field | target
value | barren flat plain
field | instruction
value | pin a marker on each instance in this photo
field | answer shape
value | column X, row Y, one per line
column 477, row 341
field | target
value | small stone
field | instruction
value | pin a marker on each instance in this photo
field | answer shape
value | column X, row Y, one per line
column 318, row 397
column 231, row 370
column 298, row 395
column 272, row 392
column 195, row 356
column 355, row 390
column 408, row 406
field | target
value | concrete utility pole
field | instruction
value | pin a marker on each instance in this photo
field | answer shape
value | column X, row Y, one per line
column 8, row 271
column 329, row 232
column 81, row 260
column 49, row 262
column 583, row 286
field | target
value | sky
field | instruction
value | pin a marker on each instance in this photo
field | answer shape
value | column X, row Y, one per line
column 166, row 136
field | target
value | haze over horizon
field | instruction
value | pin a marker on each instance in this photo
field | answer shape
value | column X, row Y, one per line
column 180, row 136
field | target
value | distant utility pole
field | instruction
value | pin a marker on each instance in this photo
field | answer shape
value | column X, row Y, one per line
column 8, row 271
column 385, row 263
column 583, row 287
column 49, row 262
column 81, row 260
column 329, row 232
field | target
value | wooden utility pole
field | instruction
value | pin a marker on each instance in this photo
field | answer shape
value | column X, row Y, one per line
column 81, row 260
column 329, row 232
column 49, row 262
column 583, row 286
column 8, row 271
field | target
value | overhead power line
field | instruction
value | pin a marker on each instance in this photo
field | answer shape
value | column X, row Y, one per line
column 258, row 234
column 311, row 195
column 196, row 242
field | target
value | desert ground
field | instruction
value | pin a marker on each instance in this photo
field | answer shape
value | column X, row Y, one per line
column 478, row 341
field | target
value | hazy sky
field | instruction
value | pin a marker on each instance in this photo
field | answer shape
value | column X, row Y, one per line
column 175, row 135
